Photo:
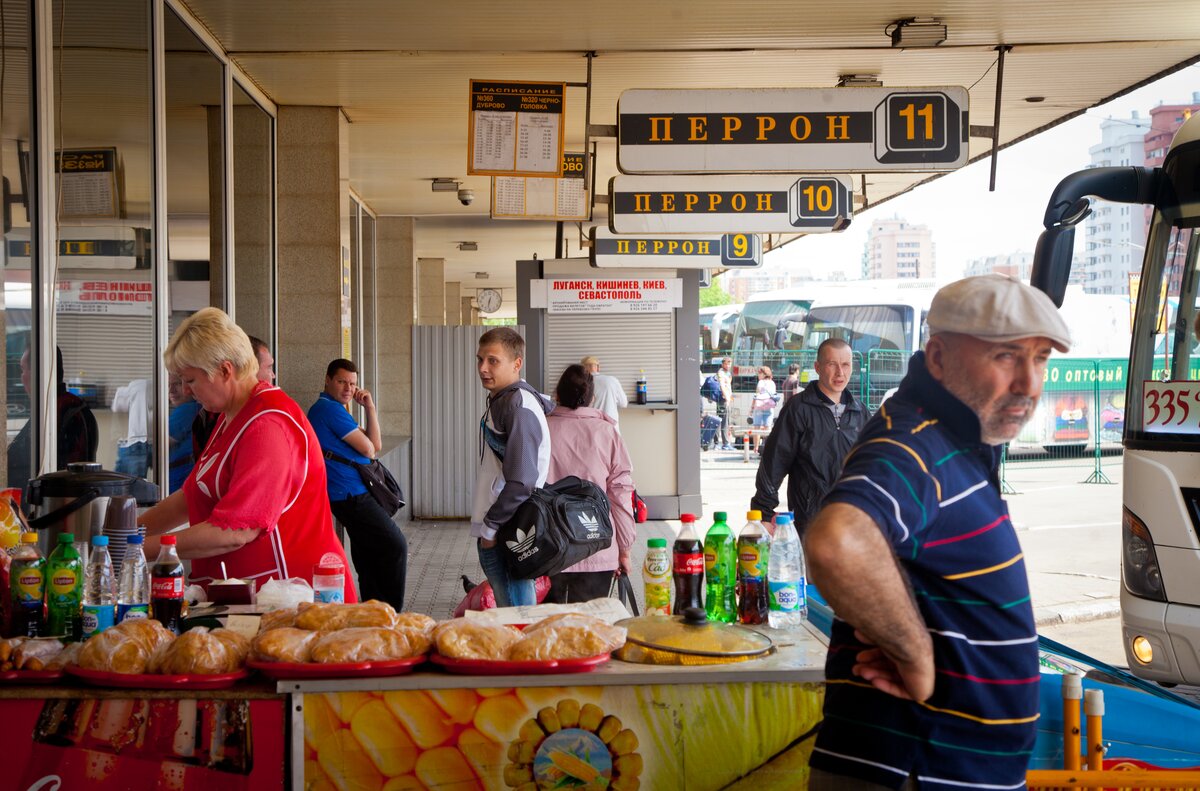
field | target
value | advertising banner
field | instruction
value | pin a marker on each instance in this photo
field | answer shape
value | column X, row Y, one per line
column 160, row 743
column 659, row 737
column 105, row 297
column 607, row 295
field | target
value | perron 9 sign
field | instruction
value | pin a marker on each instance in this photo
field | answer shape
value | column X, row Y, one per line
column 729, row 204
column 778, row 130
column 708, row 251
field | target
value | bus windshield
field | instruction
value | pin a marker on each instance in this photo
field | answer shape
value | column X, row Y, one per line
column 772, row 324
column 865, row 327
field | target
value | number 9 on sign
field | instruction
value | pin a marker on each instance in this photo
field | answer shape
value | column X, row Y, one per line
column 741, row 249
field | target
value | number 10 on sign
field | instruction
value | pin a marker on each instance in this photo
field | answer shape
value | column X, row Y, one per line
column 1171, row 407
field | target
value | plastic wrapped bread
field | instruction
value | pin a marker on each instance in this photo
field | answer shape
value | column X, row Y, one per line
column 331, row 617
column 35, row 654
column 199, row 651
column 277, row 619
column 67, row 656
column 415, row 620
column 285, row 644
column 465, row 639
column 125, row 648
column 567, row 636
column 369, row 643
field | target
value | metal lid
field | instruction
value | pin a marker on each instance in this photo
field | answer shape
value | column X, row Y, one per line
column 693, row 634
column 82, row 476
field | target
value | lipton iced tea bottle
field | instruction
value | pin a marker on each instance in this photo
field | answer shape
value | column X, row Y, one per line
column 720, row 568
column 64, row 589
column 28, row 589
column 754, row 552
column 166, row 586
column 656, row 575
column 688, row 566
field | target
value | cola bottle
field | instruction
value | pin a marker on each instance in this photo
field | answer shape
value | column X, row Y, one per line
column 166, row 586
column 688, row 566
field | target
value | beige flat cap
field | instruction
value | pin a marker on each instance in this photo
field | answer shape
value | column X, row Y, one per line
column 997, row 308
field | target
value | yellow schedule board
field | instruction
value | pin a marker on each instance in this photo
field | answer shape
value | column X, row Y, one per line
column 516, row 128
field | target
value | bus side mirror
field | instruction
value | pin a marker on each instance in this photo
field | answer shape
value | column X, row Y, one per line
column 1052, row 262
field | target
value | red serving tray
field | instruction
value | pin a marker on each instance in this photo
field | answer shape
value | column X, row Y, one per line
column 294, row 670
column 488, row 667
column 106, row 678
column 30, row 676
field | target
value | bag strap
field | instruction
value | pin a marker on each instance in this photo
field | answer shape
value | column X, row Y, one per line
column 339, row 459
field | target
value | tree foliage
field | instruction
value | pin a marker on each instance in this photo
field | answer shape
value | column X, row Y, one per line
column 714, row 295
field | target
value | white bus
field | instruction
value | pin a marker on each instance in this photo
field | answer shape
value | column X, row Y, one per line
column 1160, row 533
column 717, row 326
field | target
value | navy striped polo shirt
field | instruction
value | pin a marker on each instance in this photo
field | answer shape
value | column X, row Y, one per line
column 920, row 472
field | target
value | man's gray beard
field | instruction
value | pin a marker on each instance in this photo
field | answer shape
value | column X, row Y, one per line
column 964, row 390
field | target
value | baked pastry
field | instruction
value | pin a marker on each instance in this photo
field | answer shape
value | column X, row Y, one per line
column 6, row 651
column 277, row 619
column 463, row 638
column 35, row 654
column 237, row 645
column 286, row 644
column 369, row 643
column 124, row 648
column 198, row 651
column 415, row 620
column 67, row 656
column 331, row 617
column 567, row 636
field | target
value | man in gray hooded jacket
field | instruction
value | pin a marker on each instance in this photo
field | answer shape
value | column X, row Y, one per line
column 514, row 456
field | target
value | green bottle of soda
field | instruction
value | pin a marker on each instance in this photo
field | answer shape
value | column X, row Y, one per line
column 64, row 590
column 720, row 568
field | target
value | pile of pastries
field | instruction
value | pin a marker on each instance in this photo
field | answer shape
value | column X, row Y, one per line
column 565, row 636
column 145, row 646
column 25, row 653
column 370, row 631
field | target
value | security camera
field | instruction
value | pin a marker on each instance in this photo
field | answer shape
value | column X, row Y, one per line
column 465, row 197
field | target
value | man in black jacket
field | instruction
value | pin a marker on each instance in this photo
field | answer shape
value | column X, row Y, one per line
column 814, row 431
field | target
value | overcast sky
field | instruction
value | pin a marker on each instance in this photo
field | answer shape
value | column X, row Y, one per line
column 967, row 220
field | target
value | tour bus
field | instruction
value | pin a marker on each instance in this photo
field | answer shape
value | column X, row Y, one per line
column 717, row 325
column 1160, row 526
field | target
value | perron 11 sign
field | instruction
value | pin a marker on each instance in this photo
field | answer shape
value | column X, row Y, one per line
column 789, row 130
column 724, row 251
column 728, row 204
column 516, row 128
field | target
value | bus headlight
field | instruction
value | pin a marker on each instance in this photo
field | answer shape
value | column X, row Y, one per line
column 1139, row 563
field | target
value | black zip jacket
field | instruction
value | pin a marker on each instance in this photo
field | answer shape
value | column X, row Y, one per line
column 808, row 447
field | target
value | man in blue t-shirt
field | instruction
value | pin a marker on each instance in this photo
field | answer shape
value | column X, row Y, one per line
column 379, row 549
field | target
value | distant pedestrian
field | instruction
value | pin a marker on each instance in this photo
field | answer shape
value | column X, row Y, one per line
column 791, row 385
column 763, row 404
column 377, row 545
column 811, row 437
column 725, row 380
column 932, row 672
column 610, row 396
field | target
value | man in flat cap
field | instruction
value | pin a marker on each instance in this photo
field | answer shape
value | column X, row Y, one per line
column 933, row 665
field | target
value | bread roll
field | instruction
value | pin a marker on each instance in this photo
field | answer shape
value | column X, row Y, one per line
column 367, row 644
column 67, row 656
column 286, row 644
column 415, row 620
column 35, row 654
column 196, row 651
column 331, row 617
column 238, row 645
column 124, row 648
column 567, row 636
column 466, row 639
column 277, row 619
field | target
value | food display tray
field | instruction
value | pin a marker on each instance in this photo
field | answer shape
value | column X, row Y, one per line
column 30, row 676
column 312, row 670
column 488, row 667
column 105, row 678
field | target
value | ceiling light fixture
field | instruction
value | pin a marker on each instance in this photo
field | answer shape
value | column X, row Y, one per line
column 859, row 81
column 482, row 275
column 468, row 246
column 445, row 185
column 917, row 32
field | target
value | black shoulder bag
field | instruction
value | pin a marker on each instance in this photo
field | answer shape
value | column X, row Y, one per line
column 559, row 525
column 380, row 482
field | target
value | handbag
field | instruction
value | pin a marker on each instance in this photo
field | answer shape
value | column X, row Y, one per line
column 621, row 589
column 555, row 528
column 380, row 482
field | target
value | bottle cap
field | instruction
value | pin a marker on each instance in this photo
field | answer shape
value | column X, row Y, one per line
column 720, row 516
column 66, row 538
column 660, row 543
column 784, row 518
column 169, row 540
column 29, row 538
column 685, row 518
column 329, row 571
column 754, row 516
column 135, row 539
column 99, row 541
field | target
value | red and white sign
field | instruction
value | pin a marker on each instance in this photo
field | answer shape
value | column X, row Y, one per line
column 106, row 297
column 607, row 295
column 1171, row 407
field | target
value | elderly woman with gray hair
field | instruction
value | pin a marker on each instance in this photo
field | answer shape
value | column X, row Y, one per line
column 255, row 499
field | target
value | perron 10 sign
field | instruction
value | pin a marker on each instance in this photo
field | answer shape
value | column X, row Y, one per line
column 728, row 204
column 712, row 251
column 789, row 130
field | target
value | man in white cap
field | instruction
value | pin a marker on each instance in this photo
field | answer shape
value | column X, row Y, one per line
column 933, row 665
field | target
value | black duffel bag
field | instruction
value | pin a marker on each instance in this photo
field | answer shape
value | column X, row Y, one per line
column 558, row 526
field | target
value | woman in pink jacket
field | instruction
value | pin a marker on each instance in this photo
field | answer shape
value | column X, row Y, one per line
column 584, row 442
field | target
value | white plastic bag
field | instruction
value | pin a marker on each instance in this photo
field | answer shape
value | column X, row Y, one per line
column 281, row 594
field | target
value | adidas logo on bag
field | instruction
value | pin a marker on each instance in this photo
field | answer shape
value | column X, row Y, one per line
column 523, row 547
column 591, row 524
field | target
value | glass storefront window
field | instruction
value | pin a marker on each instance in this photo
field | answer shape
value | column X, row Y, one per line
column 253, row 216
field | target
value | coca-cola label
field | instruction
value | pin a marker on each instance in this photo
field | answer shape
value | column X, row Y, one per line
column 166, row 587
column 689, row 563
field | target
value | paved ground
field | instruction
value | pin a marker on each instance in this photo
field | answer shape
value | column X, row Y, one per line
column 1070, row 532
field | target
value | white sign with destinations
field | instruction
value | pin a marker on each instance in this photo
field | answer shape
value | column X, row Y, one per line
column 1171, row 407
column 792, row 130
column 607, row 295
column 725, row 251
column 729, row 204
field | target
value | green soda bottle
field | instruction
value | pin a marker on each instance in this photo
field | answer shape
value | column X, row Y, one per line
column 64, row 589
column 720, row 569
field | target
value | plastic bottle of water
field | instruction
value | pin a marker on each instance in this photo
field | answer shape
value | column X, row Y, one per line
column 99, row 590
column 786, row 577
column 133, row 594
